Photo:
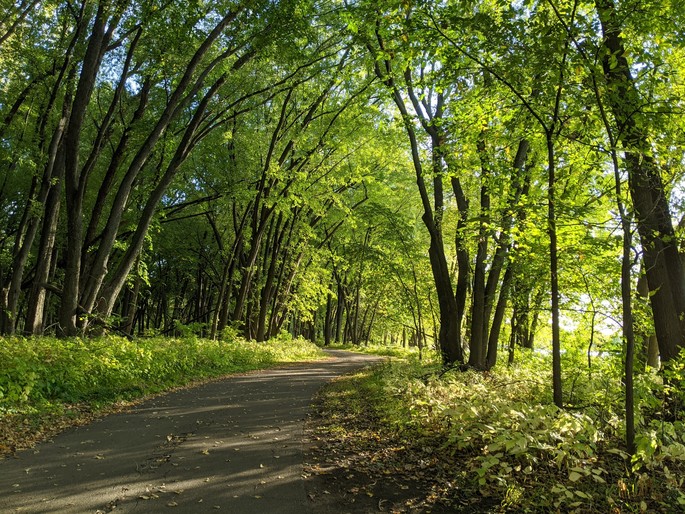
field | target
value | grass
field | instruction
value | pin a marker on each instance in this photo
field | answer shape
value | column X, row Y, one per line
column 47, row 384
column 400, row 352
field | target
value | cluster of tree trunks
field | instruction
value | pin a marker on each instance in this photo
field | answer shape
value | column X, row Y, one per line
column 108, row 132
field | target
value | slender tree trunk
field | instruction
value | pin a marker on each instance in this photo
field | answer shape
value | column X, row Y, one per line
column 662, row 261
column 520, row 184
column 47, row 194
column 74, row 180
column 649, row 351
column 339, row 311
column 327, row 334
column 267, row 291
column 498, row 318
column 512, row 338
column 449, row 336
column 188, row 87
column 118, row 279
column 37, row 295
column 477, row 345
column 554, row 272
column 463, row 260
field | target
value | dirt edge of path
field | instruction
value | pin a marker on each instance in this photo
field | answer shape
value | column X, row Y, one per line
column 354, row 464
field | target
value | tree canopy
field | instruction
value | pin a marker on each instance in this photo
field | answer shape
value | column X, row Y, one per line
column 474, row 176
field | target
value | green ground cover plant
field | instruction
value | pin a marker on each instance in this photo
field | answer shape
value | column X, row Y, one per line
column 47, row 382
column 506, row 442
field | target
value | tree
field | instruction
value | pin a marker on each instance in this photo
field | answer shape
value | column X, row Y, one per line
column 660, row 253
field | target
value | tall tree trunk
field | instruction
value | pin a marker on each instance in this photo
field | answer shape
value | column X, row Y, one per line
column 463, row 260
column 554, row 271
column 449, row 340
column 51, row 173
column 520, row 184
column 74, row 181
column 498, row 318
column 477, row 344
column 328, row 319
column 118, row 279
column 267, row 291
column 662, row 261
column 185, row 92
column 37, row 295
column 339, row 311
column 649, row 351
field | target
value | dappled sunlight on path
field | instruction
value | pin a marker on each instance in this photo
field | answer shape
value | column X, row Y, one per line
column 230, row 445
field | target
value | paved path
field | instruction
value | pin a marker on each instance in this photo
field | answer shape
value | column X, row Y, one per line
column 233, row 445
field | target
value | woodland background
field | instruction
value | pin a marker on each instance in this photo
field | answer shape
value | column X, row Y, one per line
column 487, row 179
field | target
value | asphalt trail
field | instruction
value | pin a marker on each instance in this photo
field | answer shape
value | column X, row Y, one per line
column 233, row 445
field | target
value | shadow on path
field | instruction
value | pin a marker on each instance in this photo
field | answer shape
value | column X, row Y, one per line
column 232, row 445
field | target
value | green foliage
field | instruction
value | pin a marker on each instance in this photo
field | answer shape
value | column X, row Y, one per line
column 399, row 352
column 40, row 371
column 513, row 443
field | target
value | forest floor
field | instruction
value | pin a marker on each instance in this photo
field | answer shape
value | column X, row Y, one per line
column 355, row 465
column 362, row 458
column 232, row 444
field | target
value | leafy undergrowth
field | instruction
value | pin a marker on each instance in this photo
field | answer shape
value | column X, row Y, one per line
column 493, row 442
column 357, row 464
column 47, row 384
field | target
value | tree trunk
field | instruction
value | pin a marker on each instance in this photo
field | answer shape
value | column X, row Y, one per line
column 498, row 318
column 463, row 260
column 37, row 295
column 649, row 349
column 449, row 340
column 554, row 272
column 340, row 309
column 185, row 92
column 73, row 180
column 477, row 344
column 327, row 335
column 662, row 261
column 267, row 291
column 118, row 279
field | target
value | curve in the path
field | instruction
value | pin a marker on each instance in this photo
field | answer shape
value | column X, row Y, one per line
column 232, row 445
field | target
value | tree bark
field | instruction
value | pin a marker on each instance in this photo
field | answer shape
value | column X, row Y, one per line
column 662, row 261
column 477, row 343
column 74, row 185
column 449, row 340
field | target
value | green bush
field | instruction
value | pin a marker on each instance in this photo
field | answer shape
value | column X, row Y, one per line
column 509, row 436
